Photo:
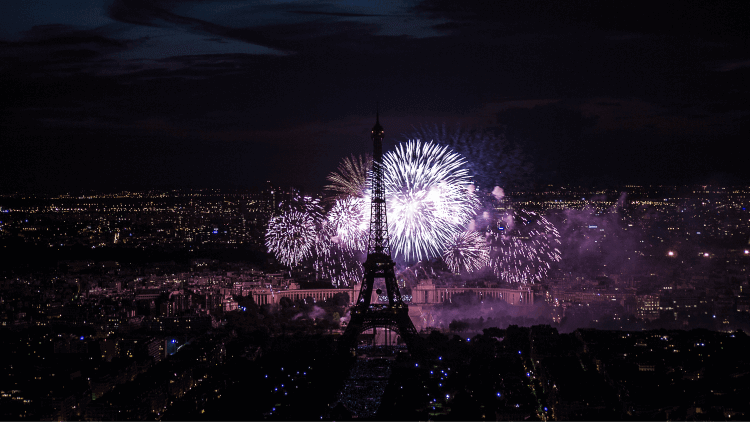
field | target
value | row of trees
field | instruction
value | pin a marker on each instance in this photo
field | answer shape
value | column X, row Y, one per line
column 289, row 316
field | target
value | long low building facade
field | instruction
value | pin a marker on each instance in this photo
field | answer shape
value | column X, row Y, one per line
column 425, row 293
column 273, row 296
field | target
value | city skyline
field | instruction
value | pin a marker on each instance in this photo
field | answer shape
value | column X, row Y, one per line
column 548, row 220
column 167, row 305
column 135, row 95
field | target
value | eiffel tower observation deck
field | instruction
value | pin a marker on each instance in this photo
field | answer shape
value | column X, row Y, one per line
column 379, row 268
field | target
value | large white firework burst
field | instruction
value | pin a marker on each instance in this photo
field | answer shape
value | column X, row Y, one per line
column 292, row 236
column 467, row 252
column 523, row 247
column 428, row 196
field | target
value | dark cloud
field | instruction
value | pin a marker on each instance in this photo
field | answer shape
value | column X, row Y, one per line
column 590, row 91
column 573, row 142
column 704, row 19
column 337, row 14
column 51, row 50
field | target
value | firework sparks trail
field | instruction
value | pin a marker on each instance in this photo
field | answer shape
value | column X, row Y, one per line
column 491, row 158
column 291, row 236
column 337, row 263
column 304, row 204
column 468, row 251
column 524, row 254
column 348, row 220
column 428, row 196
column 301, row 234
column 352, row 177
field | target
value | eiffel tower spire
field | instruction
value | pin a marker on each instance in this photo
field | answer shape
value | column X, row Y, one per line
column 378, row 242
column 379, row 266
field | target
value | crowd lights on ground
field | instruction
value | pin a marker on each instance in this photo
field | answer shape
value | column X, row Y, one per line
column 673, row 254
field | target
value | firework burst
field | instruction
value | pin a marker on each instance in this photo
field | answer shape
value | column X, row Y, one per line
column 348, row 221
column 523, row 247
column 336, row 262
column 352, row 177
column 292, row 236
column 429, row 198
column 467, row 251
column 430, row 202
column 304, row 204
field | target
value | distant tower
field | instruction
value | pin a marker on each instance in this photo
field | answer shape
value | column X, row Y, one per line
column 379, row 267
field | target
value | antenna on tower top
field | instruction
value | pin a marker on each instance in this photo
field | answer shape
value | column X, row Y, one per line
column 377, row 111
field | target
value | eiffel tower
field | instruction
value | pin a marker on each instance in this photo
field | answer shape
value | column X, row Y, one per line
column 379, row 267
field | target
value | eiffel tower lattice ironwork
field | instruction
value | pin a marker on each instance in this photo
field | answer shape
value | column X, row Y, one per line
column 379, row 266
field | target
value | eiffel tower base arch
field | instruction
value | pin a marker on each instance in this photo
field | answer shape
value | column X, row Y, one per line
column 386, row 317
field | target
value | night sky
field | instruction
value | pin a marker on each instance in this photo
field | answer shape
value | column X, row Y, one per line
column 135, row 94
